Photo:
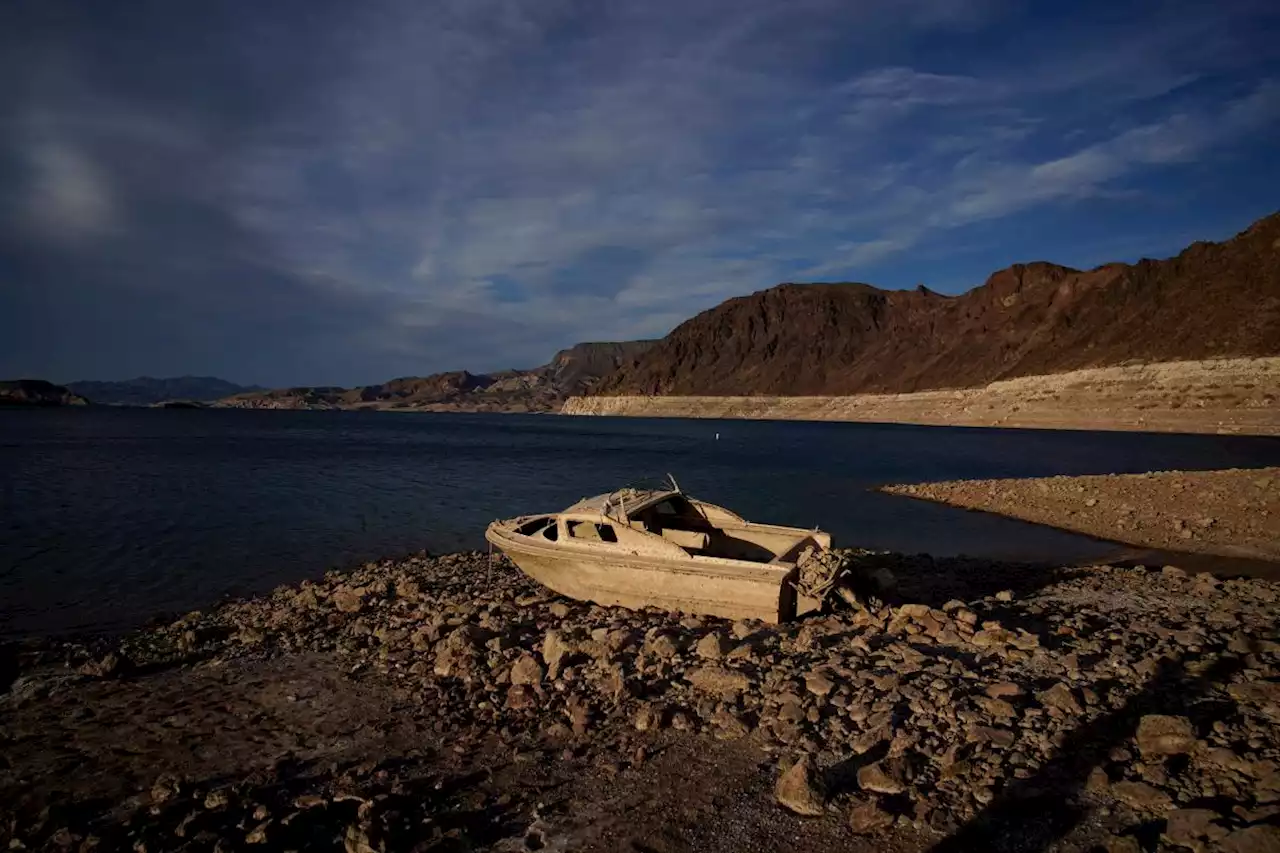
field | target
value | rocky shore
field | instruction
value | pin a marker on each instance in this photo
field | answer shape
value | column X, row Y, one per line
column 1233, row 513
column 449, row 703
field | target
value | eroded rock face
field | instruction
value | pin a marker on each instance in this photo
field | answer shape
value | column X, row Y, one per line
column 833, row 339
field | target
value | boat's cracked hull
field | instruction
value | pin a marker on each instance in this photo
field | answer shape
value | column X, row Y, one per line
column 714, row 588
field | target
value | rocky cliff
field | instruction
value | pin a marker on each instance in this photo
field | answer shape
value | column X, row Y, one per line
column 37, row 392
column 573, row 371
column 1212, row 300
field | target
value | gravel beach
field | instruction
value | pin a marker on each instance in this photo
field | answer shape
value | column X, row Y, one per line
column 1233, row 512
column 449, row 703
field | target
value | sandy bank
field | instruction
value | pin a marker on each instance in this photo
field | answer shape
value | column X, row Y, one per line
column 1234, row 513
column 443, row 704
column 1218, row 396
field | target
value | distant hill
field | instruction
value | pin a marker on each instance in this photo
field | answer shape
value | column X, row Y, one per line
column 148, row 391
column 1212, row 300
column 570, row 372
column 37, row 392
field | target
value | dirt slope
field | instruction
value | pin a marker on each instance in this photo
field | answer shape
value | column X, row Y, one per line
column 1212, row 300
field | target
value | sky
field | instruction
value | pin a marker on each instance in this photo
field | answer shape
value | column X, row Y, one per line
column 317, row 192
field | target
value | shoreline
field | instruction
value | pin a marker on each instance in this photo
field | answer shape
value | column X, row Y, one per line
column 1238, row 396
column 425, row 699
column 1230, row 513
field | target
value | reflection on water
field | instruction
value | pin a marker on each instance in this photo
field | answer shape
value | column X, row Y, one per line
column 108, row 516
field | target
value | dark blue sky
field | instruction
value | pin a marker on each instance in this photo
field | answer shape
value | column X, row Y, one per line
column 340, row 192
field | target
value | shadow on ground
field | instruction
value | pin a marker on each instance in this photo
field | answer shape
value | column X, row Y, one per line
column 393, row 805
column 1031, row 814
column 921, row 578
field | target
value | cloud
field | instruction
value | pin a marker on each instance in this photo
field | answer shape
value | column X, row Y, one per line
column 330, row 192
column 67, row 196
column 1000, row 190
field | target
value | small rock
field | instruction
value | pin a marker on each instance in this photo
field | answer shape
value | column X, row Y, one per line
column 647, row 718
column 109, row 664
column 873, row 778
column 995, row 707
column 1123, row 844
column 818, row 683
column 791, row 712
column 718, row 679
column 1002, row 738
column 1060, row 696
column 729, row 726
column 348, row 600
column 1187, row 828
column 1160, row 735
column 554, row 651
column 164, row 789
column 1001, row 689
column 712, row 647
column 1141, row 796
column 526, row 670
column 800, row 790
column 867, row 817
column 1254, row 839
column 662, row 646
column 357, row 840
column 520, row 696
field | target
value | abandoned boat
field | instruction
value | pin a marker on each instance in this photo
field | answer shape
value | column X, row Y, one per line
column 662, row 548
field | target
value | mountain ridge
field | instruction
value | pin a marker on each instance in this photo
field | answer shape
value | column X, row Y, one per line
column 149, row 390
column 1211, row 300
column 572, row 371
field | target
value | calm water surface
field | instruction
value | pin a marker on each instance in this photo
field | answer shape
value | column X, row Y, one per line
column 109, row 516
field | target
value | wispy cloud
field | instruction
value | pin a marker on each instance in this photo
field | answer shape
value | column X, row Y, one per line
column 388, row 188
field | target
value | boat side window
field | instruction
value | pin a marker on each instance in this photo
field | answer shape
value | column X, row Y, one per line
column 533, row 526
column 592, row 531
column 544, row 526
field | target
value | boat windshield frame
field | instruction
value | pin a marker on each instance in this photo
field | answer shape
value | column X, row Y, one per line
column 616, row 506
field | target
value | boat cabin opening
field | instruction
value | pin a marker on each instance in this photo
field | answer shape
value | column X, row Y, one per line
column 705, row 530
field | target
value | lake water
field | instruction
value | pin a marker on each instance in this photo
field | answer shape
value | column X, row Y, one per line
column 110, row 516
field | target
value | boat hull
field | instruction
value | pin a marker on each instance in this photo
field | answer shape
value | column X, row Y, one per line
column 713, row 588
